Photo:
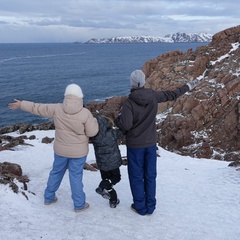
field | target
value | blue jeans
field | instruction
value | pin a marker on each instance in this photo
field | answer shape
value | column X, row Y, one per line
column 142, row 178
column 75, row 167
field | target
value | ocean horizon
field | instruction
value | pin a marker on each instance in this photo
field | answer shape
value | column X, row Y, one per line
column 40, row 72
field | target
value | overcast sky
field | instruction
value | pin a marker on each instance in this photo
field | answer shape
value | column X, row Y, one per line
column 81, row 20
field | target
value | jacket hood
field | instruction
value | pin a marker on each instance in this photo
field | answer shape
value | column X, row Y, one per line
column 141, row 96
column 72, row 104
column 73, row 89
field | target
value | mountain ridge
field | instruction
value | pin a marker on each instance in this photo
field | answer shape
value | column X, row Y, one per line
column 169, row 38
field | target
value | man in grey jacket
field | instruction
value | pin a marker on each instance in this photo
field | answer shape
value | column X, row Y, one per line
column 137, row 117
column 74, row 124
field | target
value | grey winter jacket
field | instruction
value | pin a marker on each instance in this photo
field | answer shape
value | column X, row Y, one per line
column 74, row 124
column 138, row 115
column 107, row 153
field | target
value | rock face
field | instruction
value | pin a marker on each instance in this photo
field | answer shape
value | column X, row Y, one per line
column 204, row 123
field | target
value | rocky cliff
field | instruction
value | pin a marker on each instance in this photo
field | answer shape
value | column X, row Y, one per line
column 204, row 123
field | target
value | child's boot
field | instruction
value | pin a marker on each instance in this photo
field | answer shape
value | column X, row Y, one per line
column 113, row 201
column 102, row 189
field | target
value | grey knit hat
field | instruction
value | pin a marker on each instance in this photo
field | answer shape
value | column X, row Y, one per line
column 73, row 89
column 137, row 79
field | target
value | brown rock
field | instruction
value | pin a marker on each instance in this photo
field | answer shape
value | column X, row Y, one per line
column 47, row 140
column 10, row 168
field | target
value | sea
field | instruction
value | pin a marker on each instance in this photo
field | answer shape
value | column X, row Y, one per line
column 40, row 72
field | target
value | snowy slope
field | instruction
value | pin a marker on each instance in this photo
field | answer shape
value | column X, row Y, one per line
column 197, row 199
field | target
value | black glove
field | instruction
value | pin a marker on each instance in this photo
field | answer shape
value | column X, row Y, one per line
column 192, row 84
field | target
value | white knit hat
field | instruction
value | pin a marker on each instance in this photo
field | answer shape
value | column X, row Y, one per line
column 137, row 78
column 73, row 89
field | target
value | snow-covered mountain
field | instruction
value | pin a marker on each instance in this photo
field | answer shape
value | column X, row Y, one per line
column 190, row 37
column 132, row 39
column 171, row 38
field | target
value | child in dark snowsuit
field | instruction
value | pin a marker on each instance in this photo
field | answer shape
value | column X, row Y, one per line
column 108, row 158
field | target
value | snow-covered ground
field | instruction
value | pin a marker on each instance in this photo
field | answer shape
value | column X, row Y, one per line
column 197, row 199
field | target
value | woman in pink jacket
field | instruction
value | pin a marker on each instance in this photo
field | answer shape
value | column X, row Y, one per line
column 74, row 124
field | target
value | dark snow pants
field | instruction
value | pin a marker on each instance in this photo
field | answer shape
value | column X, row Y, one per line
column 113, row 175
column 142, row 174
column 110, row 178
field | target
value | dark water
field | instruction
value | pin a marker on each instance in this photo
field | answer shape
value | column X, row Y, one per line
column 41, row 72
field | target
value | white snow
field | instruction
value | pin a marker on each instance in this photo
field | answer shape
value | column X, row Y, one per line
column 197, row 199
column 234, row 47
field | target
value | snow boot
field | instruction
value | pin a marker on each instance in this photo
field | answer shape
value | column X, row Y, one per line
column 113, row 201
column 103, row 192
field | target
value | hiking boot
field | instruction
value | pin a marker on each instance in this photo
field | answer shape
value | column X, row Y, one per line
column 134, row 210
column 53, row 201
column 114, row 204
column 103, row 192
column 82, row 209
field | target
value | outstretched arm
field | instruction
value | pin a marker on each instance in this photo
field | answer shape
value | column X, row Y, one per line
column 44, row 110
column 14, row 105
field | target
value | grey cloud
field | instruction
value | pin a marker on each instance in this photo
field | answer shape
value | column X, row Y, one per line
column 3, row 22
column 118, row 16
column 117, row 9
column 44, row 22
